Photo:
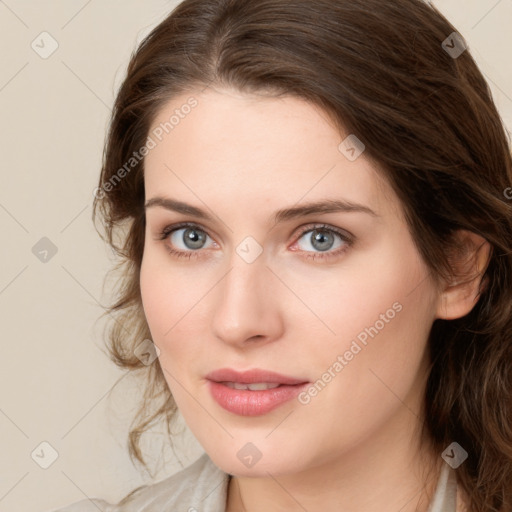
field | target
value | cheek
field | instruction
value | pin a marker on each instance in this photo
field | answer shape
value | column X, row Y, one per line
column 171, row 298
column 159, row 293
column 382, row 319
column 165, row 290
column 377, row 288
column 162, row 293
column 154, row 300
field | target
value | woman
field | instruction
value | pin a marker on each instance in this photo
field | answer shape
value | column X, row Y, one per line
column 317, row 248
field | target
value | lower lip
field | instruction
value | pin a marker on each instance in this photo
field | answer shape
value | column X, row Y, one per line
column 245, row 402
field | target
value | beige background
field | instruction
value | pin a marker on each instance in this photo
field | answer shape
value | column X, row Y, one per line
column 53, row 115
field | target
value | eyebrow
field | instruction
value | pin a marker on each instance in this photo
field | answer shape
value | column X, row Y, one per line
column 318, row 207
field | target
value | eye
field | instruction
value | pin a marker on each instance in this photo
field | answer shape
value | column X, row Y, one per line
column 190, row 238
column 185, row 239
column 317, row 242
column 323, row 241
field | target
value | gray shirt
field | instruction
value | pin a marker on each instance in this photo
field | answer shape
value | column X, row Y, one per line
column 203, row 487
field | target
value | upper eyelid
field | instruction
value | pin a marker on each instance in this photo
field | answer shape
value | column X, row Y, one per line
column 346, row 236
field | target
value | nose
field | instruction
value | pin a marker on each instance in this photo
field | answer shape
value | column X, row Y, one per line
column 247, row 305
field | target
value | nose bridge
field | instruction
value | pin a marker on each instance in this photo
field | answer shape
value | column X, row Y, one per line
column 248, row 276
column 245, row 306
column 241, row 284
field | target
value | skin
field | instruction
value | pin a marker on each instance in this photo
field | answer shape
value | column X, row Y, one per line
column 355, row 445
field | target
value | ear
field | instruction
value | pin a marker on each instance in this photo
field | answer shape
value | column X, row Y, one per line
column 459, row 296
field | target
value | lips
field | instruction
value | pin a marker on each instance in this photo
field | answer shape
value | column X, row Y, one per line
column 252, row 377
column 253, row 392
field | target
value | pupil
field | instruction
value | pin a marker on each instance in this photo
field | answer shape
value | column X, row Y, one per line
column 193, row 239
column 322, row 240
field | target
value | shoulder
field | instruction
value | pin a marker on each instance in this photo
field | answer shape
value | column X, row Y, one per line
column 200, row 487
column 92, row 505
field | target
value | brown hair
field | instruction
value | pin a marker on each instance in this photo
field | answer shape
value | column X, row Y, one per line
column 426, row 116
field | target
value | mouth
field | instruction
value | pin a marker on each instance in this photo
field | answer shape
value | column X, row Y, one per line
column 257, row 386
column 255, row 376
column 254, row 392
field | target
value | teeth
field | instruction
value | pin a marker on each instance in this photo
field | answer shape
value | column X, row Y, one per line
column 257, row 386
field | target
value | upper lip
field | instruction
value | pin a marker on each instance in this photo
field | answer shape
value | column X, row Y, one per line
column 252, row 376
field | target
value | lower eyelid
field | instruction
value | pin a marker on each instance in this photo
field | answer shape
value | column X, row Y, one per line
column 347, row 241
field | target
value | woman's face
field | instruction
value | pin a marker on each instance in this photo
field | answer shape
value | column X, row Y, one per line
column 346, row 309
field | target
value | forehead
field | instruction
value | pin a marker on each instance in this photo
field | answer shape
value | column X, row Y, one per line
column 258, row 148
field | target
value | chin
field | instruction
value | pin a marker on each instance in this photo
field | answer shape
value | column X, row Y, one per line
column 239, row 462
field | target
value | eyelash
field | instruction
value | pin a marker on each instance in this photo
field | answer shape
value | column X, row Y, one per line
column 314, row 255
